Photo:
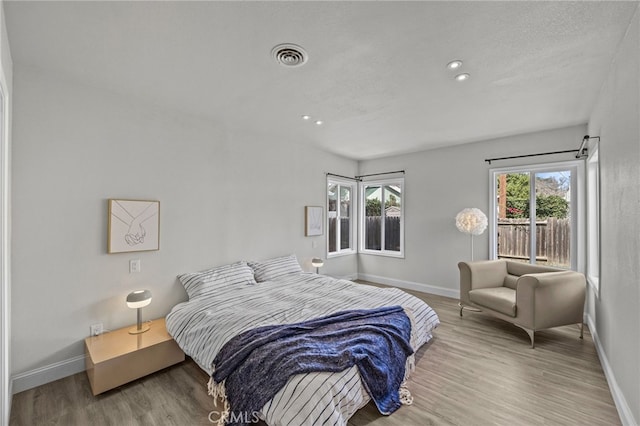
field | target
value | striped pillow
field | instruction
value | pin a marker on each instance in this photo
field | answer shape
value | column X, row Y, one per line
column 268, row 270
column 205, row 283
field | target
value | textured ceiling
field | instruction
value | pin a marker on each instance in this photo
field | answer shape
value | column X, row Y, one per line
column 376, row 73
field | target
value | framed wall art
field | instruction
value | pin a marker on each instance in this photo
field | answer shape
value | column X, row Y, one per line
column 313, row 220
column 134, row 225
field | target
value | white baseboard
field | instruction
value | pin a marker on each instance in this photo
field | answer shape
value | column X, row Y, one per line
column 410, row 285
column 49, row 373
column 624, row 411
column 350, row 277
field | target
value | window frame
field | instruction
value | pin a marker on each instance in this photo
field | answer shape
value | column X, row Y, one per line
column 5, row 259
column 577, row 199
column 362, row 207
column 353, row 224
column 592, row 172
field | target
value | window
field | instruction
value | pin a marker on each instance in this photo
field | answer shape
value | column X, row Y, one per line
column 382, row 219
column 593, row 219
column 534, row 214
column 340, row 217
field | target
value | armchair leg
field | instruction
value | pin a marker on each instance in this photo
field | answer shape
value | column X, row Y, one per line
column 581, row 329
column 461, row 307
column 531, row 334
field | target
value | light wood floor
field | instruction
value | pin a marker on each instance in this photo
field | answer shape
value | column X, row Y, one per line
column 477, row 371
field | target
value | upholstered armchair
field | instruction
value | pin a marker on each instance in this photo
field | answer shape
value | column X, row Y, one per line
column 532, row 297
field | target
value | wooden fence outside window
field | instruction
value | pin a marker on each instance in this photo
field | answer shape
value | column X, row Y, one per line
column 372, row 233
column 553, row 241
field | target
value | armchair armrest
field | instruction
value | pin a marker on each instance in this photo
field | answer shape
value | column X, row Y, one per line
column 550, row 299
column 481, row 274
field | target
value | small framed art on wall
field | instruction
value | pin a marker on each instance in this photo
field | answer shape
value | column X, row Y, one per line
column 312, row 221
column 134, row 225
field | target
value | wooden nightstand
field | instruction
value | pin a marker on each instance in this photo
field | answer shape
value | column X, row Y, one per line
column 117, row 357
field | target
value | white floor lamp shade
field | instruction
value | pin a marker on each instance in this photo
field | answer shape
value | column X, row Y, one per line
column 471, row 221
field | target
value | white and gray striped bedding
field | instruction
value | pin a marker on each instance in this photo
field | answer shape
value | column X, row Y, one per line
column 271, row 269
column 206, row 283
column 202, row 326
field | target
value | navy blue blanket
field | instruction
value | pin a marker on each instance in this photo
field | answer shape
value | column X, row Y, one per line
column 256, row 364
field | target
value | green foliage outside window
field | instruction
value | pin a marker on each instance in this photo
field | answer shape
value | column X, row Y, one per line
column 546, row 205
column 373, row 205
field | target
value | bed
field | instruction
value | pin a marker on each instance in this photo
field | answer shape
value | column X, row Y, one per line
column 226, row 301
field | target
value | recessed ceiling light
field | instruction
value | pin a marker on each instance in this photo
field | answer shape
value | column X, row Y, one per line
column 454, row 65
column 463, row 77
column 306, row 117
column 319, row 122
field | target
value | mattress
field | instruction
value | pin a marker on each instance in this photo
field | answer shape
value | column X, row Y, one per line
column 203, row 325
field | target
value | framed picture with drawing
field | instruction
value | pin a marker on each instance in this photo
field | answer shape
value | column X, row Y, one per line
column 312, row 221
column 134, row 225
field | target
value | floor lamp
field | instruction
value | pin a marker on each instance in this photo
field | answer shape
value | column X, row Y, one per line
column 471, row 221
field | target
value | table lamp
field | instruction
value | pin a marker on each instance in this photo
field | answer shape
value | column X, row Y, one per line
column 137, row 300
column 317, row 263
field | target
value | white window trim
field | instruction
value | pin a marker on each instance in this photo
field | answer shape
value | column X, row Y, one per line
column 578, row 185
column 5, row 306
column 362, row 207
column 353, row 217
column 593, row 221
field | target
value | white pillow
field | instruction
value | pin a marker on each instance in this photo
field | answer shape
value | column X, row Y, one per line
column 204, row 283
column 270, row 269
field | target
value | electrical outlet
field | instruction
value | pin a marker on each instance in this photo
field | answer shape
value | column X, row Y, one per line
column 96, row 329
column 134, row 266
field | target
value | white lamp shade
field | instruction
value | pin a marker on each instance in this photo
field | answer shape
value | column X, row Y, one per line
column 317, row 262
column 471, row 221
column 138, row 299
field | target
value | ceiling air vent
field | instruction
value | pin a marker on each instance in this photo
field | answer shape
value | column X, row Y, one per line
column 289, row 55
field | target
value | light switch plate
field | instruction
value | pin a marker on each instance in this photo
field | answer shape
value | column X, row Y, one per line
column 134, row 266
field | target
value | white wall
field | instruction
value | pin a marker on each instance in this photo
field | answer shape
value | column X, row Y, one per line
column 6, row 75
column 225, row 195
column 438, row 184
column 616, row 312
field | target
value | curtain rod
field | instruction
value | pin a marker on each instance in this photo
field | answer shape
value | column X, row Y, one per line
column 378, row 174
column 341, row 176
column 581, row 152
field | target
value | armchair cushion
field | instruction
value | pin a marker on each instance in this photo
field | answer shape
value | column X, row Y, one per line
column 521, row 268
column 511, row 281
column 516, row 269
column 501, row 299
